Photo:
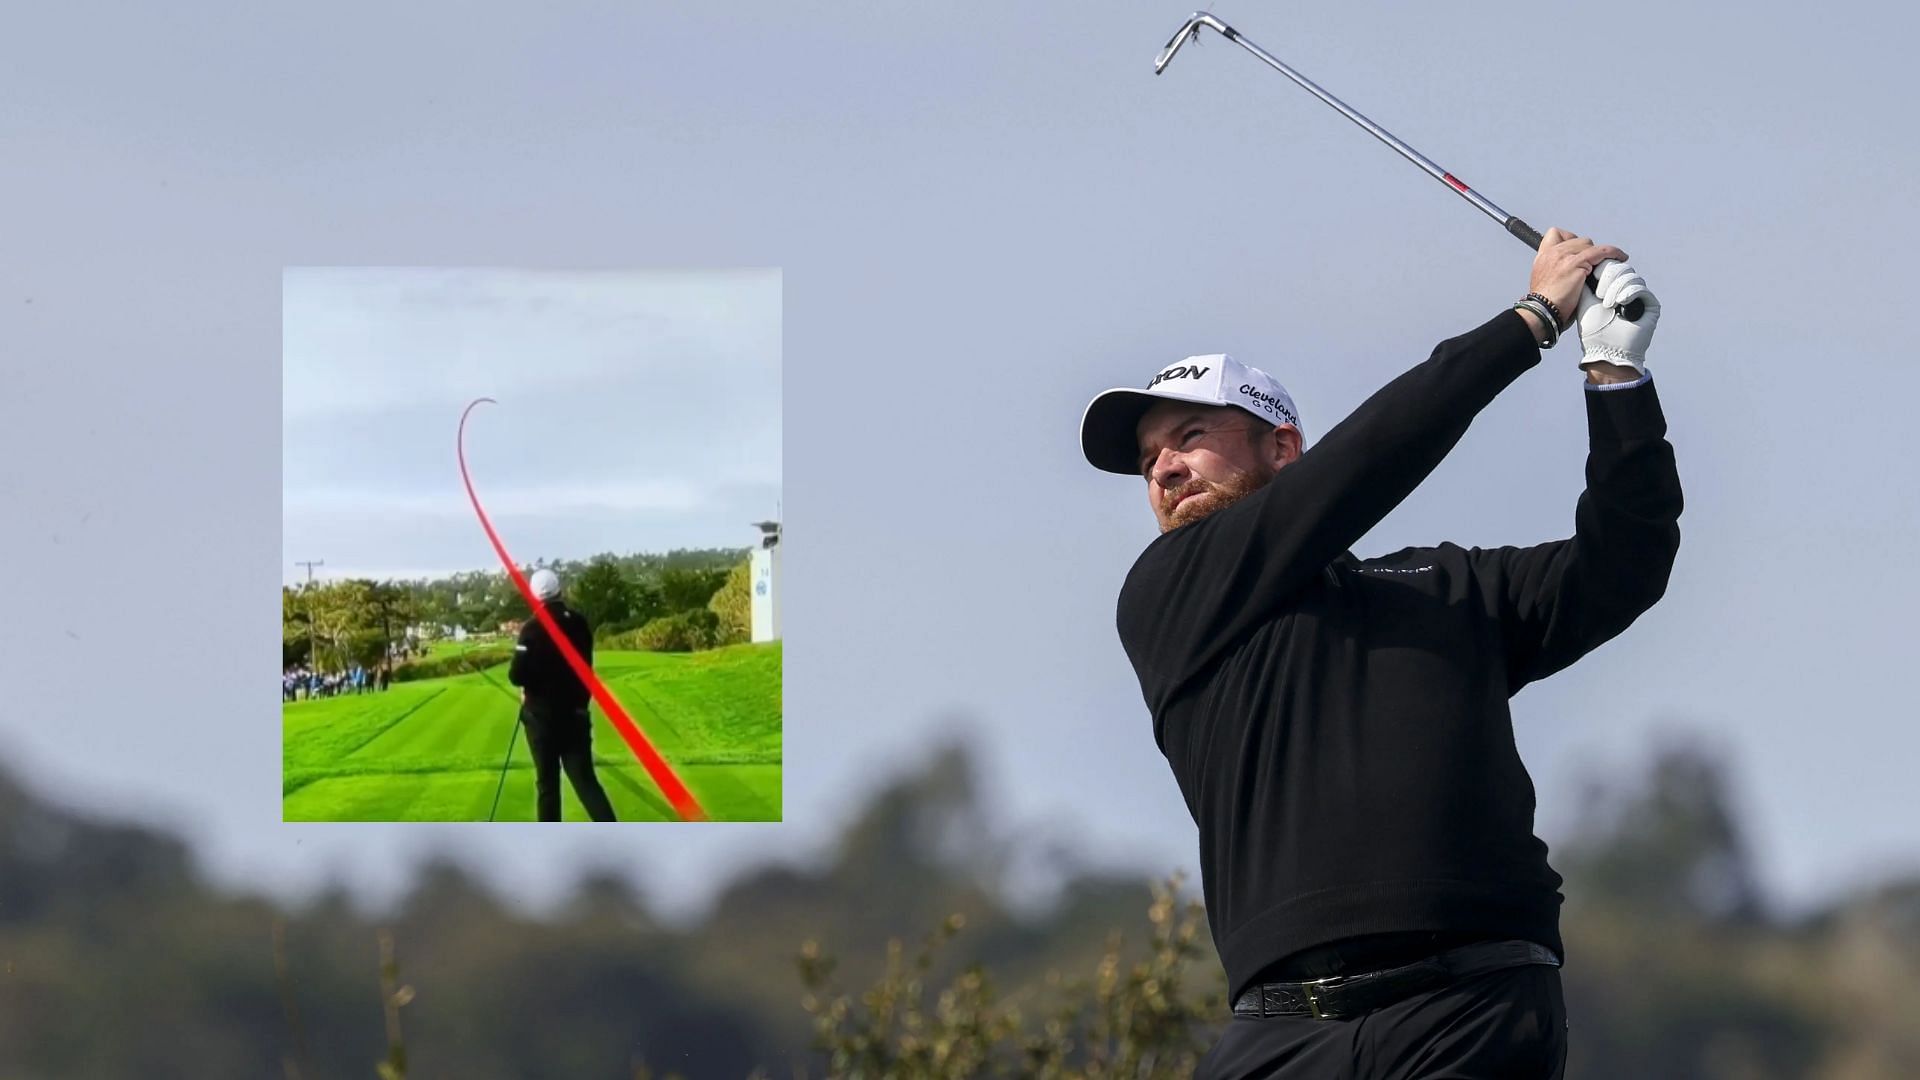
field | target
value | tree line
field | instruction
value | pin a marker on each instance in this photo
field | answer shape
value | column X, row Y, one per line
column 122, row 959
column 684, row 599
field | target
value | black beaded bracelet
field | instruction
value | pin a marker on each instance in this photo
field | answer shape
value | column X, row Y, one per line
column 1559, row 320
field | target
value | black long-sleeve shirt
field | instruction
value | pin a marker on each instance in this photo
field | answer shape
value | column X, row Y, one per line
column 539, row 667
column 1339, row 727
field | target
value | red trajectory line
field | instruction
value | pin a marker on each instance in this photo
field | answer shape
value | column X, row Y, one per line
column 676, row 792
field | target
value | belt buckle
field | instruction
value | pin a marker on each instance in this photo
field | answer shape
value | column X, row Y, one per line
column 1312, row 992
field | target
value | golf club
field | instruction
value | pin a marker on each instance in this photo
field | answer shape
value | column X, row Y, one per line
column 503, row 770
column 510, row 739
column 488, row 679
column 1630, row 311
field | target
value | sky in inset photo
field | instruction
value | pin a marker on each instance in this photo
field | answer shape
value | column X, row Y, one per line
column 634, row 411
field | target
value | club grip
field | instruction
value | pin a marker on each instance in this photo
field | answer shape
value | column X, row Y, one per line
column 1630, row 311
column 1525, row 232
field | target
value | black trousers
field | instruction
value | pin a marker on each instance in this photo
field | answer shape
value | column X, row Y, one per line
column 1509, row 1024
column 560, row 738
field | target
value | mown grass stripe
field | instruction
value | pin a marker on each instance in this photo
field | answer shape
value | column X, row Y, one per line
column 286, row 790
column 443, row 761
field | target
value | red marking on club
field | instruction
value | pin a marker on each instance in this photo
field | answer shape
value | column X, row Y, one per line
column 676, row 792
column 1455, row 182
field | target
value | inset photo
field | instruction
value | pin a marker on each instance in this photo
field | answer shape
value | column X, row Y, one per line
column 531, row 545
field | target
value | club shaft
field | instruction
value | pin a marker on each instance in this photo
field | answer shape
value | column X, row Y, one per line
column 502, row 785
column 1519, row 229
column 1485, row 205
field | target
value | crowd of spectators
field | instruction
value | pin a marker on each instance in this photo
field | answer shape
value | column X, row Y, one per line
column 300, row 683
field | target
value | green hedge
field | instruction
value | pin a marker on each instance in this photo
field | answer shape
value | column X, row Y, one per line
column 687, row 631
column 617, row 640
column 437, row 667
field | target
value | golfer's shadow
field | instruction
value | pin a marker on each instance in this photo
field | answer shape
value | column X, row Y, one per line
column 644, row 792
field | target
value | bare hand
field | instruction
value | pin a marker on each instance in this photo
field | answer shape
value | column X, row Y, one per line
column 1560, row 269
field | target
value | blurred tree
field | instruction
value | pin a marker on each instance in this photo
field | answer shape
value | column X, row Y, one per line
column 295, row 634
column 930, row 822
column 602, row 593
column 648, row 604
column 119, row 959
column 689, row 590
column 480, row 600
column 1670, row 843
column 504, row 602
column 1664, row 924
column 390, row 608
column 334, row 619
column 352, row 621
column 733, row 603
column 472, row 593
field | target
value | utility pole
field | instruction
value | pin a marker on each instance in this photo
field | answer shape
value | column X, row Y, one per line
column 313, row 654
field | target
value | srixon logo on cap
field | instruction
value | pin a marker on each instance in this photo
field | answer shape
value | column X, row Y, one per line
column 1179, row 371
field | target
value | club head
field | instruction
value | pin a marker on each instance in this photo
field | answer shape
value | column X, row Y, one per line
column 1190, row 30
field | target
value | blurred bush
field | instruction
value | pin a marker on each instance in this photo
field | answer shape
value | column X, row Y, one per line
column 436, row 667
column 117, row 959
column 1151, row 1017
column 688, row 631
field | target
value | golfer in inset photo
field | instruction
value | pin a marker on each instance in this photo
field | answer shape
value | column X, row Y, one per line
column 1338, row 725
column 553, row 705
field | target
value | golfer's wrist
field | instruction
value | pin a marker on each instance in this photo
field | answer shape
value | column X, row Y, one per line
column 1601, row 373
column 1535, row 325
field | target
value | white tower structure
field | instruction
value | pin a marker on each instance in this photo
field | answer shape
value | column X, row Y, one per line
column 766, row 583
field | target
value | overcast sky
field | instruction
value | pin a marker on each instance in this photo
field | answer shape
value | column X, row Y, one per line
column 636, row 412
column 984, row 214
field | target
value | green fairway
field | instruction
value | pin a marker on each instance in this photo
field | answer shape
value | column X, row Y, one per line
column 432, row 750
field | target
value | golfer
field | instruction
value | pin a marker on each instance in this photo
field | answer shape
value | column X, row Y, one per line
column 553, row 705
column 1338, row 726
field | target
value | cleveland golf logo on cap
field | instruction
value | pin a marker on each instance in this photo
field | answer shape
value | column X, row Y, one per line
column 1271, row 404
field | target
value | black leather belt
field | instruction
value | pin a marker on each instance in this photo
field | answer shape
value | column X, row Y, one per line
column 1350, row 995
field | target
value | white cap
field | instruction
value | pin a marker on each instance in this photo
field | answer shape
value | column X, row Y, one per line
column 1107, row 430
column 545, row 583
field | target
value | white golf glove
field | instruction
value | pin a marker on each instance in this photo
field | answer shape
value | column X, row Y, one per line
column 1604, row 334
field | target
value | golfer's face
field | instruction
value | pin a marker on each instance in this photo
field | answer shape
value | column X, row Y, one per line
column 1197, row 459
